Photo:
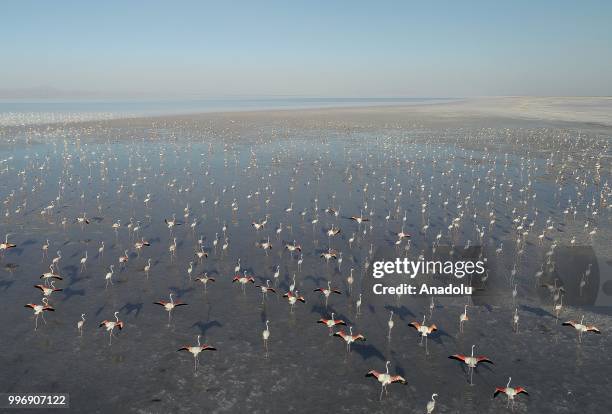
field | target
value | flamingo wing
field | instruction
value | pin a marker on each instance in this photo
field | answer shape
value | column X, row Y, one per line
column 593, row 328
column 482, row 358
column 521, row 390
column 398, row 378
column 373, row 373
column 415, row 325
column 499, row 390
column 458, row 357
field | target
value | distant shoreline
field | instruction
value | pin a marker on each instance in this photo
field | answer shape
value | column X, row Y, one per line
column 595, row 111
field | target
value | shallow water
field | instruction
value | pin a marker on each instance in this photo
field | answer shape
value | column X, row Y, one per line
column 264, row 166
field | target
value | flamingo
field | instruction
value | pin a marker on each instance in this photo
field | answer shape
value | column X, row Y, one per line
column 293, row 297
column 80, row 324
column 349, row 338
column 349, row 281
column 266, row 335
column 390, row 324
column 471, row 361
column 515, row 320
column 510, row 392
column 195, row 351
column 45, row 249
column 581, row 328
column 329, row 254
column 431, row 405
column 101, row 250
column 39, row 310
column 51, row 274
column 331, row 322
column 293, row 247
column 265, row 289
column 147, row 268
column 424, row 330
column 111, row 325
column 327, row 292
column 204, row 279
column 169, row 305
column 48, row 290
column 243, row 280
column 462, row 318
column 57, row 258
column 385, row 379
column 124, row 259
column 201, row 254
column 84, row 262
column 109, row 276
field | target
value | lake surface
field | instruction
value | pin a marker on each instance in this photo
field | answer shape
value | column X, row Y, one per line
column 429, row 175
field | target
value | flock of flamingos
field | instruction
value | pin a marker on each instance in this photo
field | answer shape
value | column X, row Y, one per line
column 91, row 184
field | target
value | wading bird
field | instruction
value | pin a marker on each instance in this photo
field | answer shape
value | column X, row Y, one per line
column 471, row 361
column 266, row 335
column 331, row 322
column 385, row 379
column 48, row 290
column 195, row 351
column 431, row 405
column 327, row 292
column 39, row 311
column 169, row 305
column 80, row 324
column 293, row 297
column 510, row 392
column 581, row 328
column 424, row 330
column 349, row 338
column 111, row 325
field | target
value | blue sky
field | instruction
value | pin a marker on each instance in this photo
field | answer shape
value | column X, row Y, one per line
column 315, row 48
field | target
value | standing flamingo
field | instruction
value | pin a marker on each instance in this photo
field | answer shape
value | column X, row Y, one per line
column 111, row 325
column 266, row 335
column 510, row 392
column 39, row 310
column 431, row 405
column 462, row 318
column 169, row 305
column 327, row 292
column 424, row 330
column 80, row 324
column 471, row 361
column 349, row 338
column 195, row 351
column 331, row 322
column 385, row 379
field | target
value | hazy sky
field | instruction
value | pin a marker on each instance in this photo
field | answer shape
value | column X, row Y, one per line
column 321, row 48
